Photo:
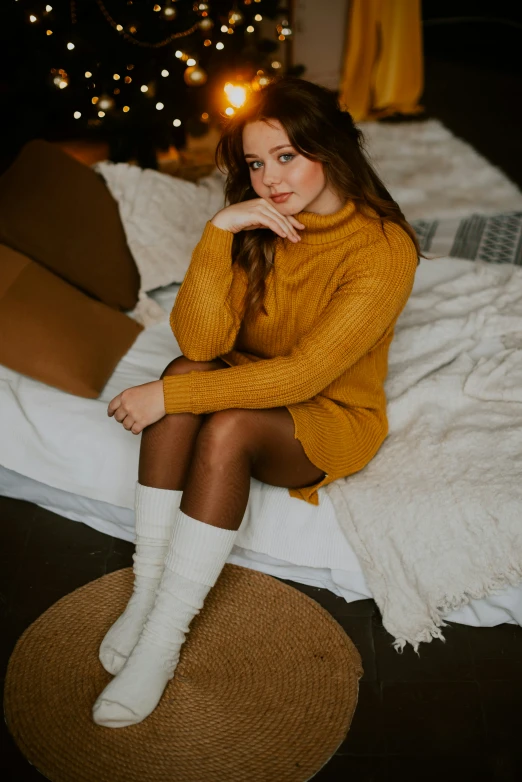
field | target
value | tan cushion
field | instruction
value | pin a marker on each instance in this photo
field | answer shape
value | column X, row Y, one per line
column 52, row 332
column 59, row 212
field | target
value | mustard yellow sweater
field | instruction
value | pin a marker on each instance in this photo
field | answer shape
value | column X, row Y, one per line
column 321, row 351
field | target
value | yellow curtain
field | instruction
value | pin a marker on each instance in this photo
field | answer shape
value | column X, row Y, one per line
column 383, row 72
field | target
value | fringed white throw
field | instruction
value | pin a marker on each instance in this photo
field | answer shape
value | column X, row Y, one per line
column 436, row 517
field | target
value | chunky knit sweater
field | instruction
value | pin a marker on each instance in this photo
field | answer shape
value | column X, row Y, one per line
column 321, row 350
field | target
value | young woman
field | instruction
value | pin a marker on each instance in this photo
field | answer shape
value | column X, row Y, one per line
column 284, row 318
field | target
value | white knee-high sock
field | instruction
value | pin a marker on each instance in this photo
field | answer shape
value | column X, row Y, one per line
column 155, row 513
column 195, row 558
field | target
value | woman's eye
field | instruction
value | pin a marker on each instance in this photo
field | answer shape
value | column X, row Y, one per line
column 286, row 155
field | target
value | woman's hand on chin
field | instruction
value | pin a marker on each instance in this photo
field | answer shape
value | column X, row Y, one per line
column 138, row 407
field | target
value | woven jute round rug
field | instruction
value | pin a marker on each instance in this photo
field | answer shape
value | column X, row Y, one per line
column 264, row 691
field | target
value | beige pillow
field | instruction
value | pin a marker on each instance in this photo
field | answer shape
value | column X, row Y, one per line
column 52, row 332
column 60, row 213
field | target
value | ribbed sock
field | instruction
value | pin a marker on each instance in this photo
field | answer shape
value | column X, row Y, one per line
column 155, row 513
column 196, row 555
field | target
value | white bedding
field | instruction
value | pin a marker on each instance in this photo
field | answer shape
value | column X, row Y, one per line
column 64, row 453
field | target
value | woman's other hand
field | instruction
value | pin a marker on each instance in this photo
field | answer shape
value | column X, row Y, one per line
column 257, row 213
column 139, row 406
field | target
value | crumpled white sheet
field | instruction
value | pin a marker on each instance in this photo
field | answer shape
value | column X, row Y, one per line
column 436, row 517
column 163, row 218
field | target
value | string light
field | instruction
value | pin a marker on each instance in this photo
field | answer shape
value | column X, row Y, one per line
column 236, row 93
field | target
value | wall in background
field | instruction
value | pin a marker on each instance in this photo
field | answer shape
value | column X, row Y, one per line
column 319, row 38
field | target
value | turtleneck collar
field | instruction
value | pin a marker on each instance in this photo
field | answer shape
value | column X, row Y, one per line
column 321, row 229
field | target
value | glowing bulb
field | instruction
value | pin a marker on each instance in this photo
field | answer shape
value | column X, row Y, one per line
column 157, row 7
column 116, row 76
column 220, row 45
column 164, row 72
column 32, row 18
column 119, row 28
column 144, row 88
column 191, row 62
column 77, row 114
column 224, row 28
column 207, row 42
column 62, row 84
column 276, row 64
column 128, row 80
column 70, row 46
column 88, row 74
column 160, row 106
column 48, row 8
column 230, row 111
column 177, row 123
column 101, row 114
column 235, row 94
column 95, row 100
column 126, row 109
column 250, row 29
column 49, row 32
column 258, row 18
column 179, row 54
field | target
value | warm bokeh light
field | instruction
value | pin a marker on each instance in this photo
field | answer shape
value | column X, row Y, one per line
column 177, row 123
column 235, row 94
column 229, row 111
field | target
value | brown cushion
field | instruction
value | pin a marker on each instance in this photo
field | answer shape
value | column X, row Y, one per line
column 60, row 212
column 52, row 332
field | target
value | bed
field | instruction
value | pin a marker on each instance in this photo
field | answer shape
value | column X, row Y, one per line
column 63, row 453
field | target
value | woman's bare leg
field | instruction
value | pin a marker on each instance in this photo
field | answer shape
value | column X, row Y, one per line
column 167, row 446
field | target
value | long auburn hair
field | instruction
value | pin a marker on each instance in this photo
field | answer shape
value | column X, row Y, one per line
column 321, row 131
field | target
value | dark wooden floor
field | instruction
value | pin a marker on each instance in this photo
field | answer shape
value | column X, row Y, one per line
column 454, row 714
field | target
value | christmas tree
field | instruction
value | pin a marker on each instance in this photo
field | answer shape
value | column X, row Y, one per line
column 139, row 74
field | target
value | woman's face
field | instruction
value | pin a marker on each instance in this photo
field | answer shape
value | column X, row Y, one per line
column 277, row 167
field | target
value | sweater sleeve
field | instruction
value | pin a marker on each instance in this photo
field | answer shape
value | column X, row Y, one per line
column 357, row 316
column 202, row 320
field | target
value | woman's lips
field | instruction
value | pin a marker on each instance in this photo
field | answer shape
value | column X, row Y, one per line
column 279, row 199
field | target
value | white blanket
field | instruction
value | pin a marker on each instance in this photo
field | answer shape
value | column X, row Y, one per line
column 436, row 517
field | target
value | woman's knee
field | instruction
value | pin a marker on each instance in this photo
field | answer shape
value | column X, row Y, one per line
column 181, row 365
